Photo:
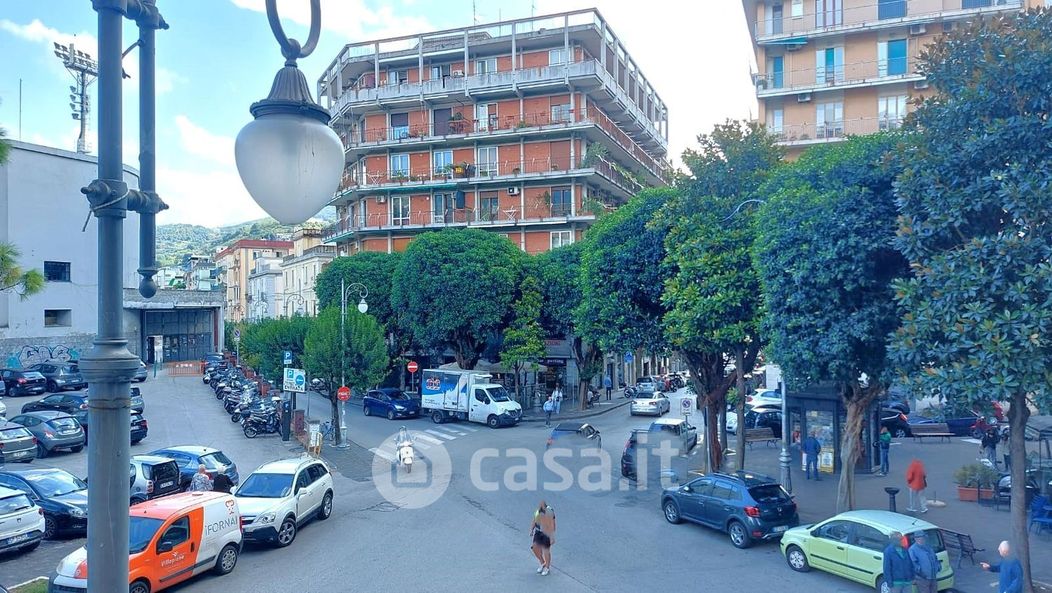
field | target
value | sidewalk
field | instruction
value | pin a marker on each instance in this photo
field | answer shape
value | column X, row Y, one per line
column 573, row 411
column 988, row 527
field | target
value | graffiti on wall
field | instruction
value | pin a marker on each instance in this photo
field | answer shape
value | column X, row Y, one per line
column 30, row 355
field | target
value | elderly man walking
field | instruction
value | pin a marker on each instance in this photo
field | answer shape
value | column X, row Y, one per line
column 1010, row 570
column 898, row 570
column 926, row 565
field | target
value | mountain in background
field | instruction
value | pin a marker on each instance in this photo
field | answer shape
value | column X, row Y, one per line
column 176, row 241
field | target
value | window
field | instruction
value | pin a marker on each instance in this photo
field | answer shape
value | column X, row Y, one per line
column 399, row 166
column 489, row 206
column 442, row 208
column 317, row 471
column 829, row 65
column 557, row 56
column 176, row 533
column 775, row 118
column 56, row 271
column 399, row 209
column 480, row 396
column 774, row 20
column 891, row 57
column 701, row 486
column 440, row 71
column 776, row 72
column 562, row 114
column 443, row 161
column 797, row 8
column 829, row 13
column 894, row 9
column 399, row 126
column 829, row 120
column 303, row 480
column 724, row 491
column 869, row 538
column 561, row 201
column 58, row 318
column 561, row 239
column 838, row 531
column 487, row 161
column 891, row 111
column 397, row 76
column 484, row 120
column 980, row 3
column 486, row 66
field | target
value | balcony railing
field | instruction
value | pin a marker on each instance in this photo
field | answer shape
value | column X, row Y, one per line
column 871, row 14
column 451, row 217
column 310, row 252
column 808, row 133
column 804, row 79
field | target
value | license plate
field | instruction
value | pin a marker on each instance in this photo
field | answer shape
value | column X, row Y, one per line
column 780, row 528
column 167, row 484
column 71, row 431
column 25, row 453
column 20, row 538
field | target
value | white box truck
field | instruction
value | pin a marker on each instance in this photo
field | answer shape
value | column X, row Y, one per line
column 466, row 395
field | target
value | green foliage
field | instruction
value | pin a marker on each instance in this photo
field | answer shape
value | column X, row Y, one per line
column 559, row 275
column 363, row 358
column 623, row 270
column 454, row 289
column 524, row 338
column 976, row 475
column 373, row 269
column 14, row 278
column 5, row 146
column 263, row 343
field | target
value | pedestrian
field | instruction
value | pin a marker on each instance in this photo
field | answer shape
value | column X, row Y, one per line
column 542, row 532
column 222, row 483
column 917, row 481
column 885, row 450
column 557, row 397
column 926, row 565
column 609, row 386
column 201, row 481
column 549, row 407
column 1010, row 571
column 898, row 568
column 811, row 449
column 989, row 445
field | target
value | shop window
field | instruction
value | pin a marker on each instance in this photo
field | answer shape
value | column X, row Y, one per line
column 56, row 271
column 58, row 317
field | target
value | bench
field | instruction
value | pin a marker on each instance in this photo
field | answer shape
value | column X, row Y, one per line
column 962, row 544
column 759, row 435
column 941, row 431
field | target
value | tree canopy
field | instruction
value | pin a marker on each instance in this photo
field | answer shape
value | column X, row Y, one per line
column 373, row 269
column 263, row 343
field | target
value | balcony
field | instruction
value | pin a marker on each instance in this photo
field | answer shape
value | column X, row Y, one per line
column 316, row 251
column 841, row 76
column 833, row 131
column 872, row 15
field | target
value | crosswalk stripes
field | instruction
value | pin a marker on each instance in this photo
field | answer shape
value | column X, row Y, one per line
column 429, row 439
column 424, row 440
column 442, row 435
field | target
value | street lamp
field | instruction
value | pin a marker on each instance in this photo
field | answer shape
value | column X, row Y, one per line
column 784, row 459
column 261, row 307
column 345, row 291
column 295, row 298
column 289, row 158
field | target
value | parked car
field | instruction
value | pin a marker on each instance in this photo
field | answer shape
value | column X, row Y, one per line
column 648, row 385
column 764, row 397
column 21, row 521
column 189, row 457
column 650, row 404
column 765, row 417
column 896, row 422
column 141, row 373
column 152, row 476
column 575, row 435
column 3, row 410
column 59, row 402
column 851, row 545
column 138, row 406
column 52, row 430
column 139, row 427
column 62, row 496
column 23, row 382
column 638, row 445
column 280, row 496
column 16, row 443
column 732, row 414
column 390, row 402
column 748, row 507
column 683, row 433
column 61, row 376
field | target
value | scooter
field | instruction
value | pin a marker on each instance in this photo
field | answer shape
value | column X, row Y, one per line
column 406, row 453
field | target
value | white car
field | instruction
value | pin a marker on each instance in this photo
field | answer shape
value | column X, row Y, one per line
column 280, row 496
column 650, row 404
column 3, row 410
column 21, row 521
column 764, row 397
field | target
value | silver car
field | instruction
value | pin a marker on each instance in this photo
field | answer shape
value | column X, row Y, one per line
column 678, row 430
column 650, row 404
column 53, row 430
column 648, row 385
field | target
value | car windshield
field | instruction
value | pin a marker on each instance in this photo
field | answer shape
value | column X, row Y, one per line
column 140, row 532
column 215, row 460
column 32, row 375
column 934, row 539
column 69, row 370
column 13, row 504
column 63, row 423
column 398, row 395
column 770, row 493
column 266, row 486
column 14, row 433
column 55, row 483
column 498, row 394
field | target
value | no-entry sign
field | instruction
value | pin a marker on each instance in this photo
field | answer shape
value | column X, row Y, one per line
column 343, row 394
column 412, row 366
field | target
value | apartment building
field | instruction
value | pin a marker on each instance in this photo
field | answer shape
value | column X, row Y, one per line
column 237, row 262
column 524, row 127
column 266, row 291
column 833, row 68
column 301, row 267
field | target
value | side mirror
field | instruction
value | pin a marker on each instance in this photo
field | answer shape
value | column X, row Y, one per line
column 687, row 489
column 163, row 547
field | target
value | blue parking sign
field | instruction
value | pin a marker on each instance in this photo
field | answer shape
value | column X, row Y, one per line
column 288, row 357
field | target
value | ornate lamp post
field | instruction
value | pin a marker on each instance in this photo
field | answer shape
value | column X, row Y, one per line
column 295, row 298
column 345, row 291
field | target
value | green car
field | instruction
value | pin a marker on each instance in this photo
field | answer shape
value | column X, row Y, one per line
column 852, row 545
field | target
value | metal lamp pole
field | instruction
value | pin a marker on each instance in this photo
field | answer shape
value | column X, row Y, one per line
column 363, row 292
column 295, row 298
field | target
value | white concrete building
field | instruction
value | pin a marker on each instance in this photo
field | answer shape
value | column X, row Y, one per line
column 266, row 296
column 301, row 267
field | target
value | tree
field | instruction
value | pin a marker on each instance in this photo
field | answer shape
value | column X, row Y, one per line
column 713, row 300
column 825, row 254
column 454, row 289
column 523, row 340
column 559, row 272
column 12, row 276
column 264, row 342
column 362, row 359
column 976, row 227
column 373, row 269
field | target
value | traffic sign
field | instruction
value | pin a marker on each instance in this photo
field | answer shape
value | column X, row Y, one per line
column 288, row 357
column 412, row 366
column 628, row 357
column 343, row 394
column 237, row 335
column 686, row 403
column 295, row 380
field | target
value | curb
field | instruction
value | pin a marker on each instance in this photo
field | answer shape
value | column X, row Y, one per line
column 577, row 416
column 29, row 582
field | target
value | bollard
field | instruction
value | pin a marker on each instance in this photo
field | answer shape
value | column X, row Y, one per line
column 892, row 491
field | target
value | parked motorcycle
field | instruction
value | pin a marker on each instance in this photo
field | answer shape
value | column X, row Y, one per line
column 261, row 423
column 630, row 392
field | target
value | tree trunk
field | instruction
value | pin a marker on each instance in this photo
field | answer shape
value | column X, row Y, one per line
column 739, row 367
column 850, row 449
column 334, row 402
column 1018, row 414
column 712, row 435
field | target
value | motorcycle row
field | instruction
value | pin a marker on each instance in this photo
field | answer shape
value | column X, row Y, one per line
column 242, row 399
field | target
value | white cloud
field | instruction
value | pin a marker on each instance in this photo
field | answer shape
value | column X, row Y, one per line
column 202, row 143
column 350, row 18
column 209, row 198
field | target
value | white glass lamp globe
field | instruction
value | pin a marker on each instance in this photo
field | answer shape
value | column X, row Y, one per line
column 363, row 306
column 290, row 164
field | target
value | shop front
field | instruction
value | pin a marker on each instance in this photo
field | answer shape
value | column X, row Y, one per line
column 818, row 409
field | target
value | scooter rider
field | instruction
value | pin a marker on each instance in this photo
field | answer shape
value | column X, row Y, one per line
column 406, row 453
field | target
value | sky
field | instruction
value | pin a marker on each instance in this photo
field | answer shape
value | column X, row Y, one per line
column 219, row 56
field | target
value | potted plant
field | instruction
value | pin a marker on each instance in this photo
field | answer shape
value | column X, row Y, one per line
column 456, row 123
column 975, row 482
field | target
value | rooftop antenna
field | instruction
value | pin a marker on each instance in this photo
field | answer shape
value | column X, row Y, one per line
column 85, row 70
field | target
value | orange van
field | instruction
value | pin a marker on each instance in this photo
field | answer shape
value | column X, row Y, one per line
column 170, row 540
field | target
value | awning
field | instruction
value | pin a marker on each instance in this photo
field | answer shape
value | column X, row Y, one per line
column 788, row 41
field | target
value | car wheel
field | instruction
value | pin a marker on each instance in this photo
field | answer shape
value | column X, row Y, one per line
column 227, row 560
column 900, row 433
column 52, row 387
column 739, row 535
column 78, row 448
column 287, row 532
column 672, row 512
column 41, row 451
column 50, row 527
column 390, row 415
column 437, row 417
column 796, row 559
column 326, row 507
column 493, row 421
column 883, row 586
column 365, row 410
column 139, row 587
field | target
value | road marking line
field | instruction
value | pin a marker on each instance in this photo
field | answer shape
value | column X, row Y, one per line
column 449, row 430
column 467, row 428
column 384, row 454
column 427, row 438
column 440, row 434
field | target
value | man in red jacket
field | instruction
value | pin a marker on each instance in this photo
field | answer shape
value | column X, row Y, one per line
column 917, row 481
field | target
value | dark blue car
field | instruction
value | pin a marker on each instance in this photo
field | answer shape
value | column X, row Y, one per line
column 62, row 496
column 390, row 402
